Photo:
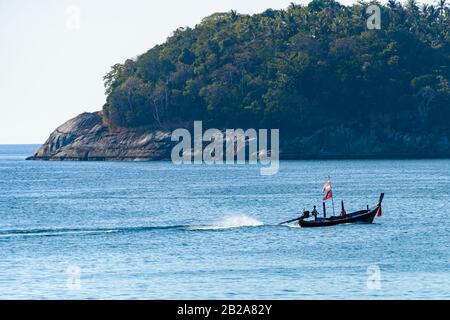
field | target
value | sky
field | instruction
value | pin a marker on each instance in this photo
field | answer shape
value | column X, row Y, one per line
column 54, row 53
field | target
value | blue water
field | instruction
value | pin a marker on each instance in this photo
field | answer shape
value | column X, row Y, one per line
column 134, row 230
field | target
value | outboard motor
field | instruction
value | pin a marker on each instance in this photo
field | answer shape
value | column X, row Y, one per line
column 306, row 215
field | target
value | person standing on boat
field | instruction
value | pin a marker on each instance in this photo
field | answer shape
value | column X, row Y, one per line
column 315, row 213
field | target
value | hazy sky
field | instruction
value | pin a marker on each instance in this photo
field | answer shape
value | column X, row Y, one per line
column 52, row 63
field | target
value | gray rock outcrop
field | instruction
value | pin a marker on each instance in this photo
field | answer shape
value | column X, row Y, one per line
column 85, row 137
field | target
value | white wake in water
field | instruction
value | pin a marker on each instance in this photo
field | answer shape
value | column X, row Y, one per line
column 231, row 221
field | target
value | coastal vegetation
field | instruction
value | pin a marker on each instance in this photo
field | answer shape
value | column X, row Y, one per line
column 297, row 69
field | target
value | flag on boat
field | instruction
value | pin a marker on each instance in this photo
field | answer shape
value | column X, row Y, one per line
column 327, row 190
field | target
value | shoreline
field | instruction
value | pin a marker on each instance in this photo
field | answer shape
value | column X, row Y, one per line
column 282, row 158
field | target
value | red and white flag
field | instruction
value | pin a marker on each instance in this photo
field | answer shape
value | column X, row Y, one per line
column 327, row 190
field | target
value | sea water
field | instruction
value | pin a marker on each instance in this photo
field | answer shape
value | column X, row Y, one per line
column 153, row 230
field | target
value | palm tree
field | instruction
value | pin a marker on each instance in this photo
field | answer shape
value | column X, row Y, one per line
column 413, row 12
column 442, row 6
column 411, row 5
column 392, row 4
column 233, row 15
column 293, row 6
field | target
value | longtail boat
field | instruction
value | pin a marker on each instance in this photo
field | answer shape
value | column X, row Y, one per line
column 311, row 220
column 363, row 216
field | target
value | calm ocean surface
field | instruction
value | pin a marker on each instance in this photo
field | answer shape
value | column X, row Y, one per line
column 132, row 230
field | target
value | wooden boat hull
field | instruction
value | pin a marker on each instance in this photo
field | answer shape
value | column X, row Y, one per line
column 364, row 216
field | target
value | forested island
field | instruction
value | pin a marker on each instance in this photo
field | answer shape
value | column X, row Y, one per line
column 334, row 88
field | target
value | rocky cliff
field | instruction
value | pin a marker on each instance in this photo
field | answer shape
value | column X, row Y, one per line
column 86, row 137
